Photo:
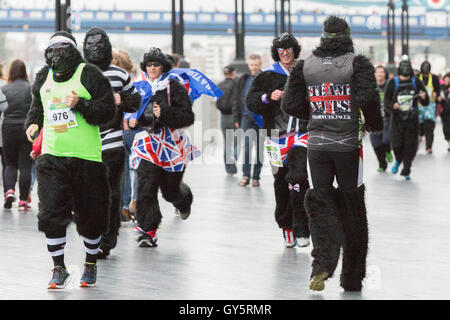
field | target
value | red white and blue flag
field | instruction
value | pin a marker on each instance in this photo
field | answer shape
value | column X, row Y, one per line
column 285, row 143
column 168, row 148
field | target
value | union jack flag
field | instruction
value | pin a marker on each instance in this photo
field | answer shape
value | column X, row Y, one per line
column 168, row 148
column 286, row 142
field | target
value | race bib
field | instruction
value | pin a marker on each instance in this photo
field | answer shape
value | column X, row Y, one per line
column 60, row 117
column 405, row 102
column 273, row 152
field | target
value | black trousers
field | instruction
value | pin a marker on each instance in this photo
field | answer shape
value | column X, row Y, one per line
column 72, row 184
column 427, row 129
column 337, row 218
column 404, row 140
column 151, row 178
column 114, row 160
column 16, row 152
column 445, row 116
column 289, row 209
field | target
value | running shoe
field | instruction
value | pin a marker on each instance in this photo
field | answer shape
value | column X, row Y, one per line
column 389, row 157
column 429, row 151
column 102, row 253
column 23, row 205
column 126, row 215
column 59, row 278
column 289, row 239
column 148, row 240
column 10, row 197
column 395, row 167
column 381, row 169
column 303, row 242
column 89, row 275
column 407, row 177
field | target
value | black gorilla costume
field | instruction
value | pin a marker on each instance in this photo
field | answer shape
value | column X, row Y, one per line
column 70, row 173
column 176, row 113
column 289, row 211
column 404, row 127
column 330, row 89
column 97, row 50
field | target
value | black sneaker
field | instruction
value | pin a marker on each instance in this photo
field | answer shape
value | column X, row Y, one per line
column 59, row 278
column 102, row 253
column 147, row 241
column 89, row 275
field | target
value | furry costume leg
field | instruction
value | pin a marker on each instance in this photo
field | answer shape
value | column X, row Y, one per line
column 114, row 160
column 410, row 146
column 175, row 191
column 90, row 197
column 283, row 208
column 326, row 230
column 55, row 194
column 353, row 215
column 148, row 214
column 297, row 175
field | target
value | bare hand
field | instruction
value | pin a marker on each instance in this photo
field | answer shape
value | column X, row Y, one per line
column 276, row 95
column 117, row 99
column 396, row 106
column 422, row 95
column 157, row 110
column 236, row 124
column 33, row 155
column 434, row 95
column 132, row 122
column 72, row 99
column 31, row 130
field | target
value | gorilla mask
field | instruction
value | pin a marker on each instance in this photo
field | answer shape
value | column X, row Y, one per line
column 405, row 69
column 425, row 68
column 61, row 54
column 97, row 48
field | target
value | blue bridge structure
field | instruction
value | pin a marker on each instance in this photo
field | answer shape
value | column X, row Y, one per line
column 431, row 25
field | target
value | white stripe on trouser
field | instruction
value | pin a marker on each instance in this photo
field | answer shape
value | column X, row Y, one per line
column 57, row 253
column 112, row 145
column 55, row 241
column 91, row 241
column 309, row 171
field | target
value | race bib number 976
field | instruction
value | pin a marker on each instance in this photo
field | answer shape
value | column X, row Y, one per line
column 59, row 115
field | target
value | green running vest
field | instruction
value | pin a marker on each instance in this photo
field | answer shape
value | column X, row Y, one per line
column 66, row 132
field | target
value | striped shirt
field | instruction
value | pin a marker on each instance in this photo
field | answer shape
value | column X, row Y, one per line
column 120, row 81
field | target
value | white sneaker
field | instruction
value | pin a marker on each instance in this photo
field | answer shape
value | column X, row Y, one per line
column 303, row 242
column 289, row 239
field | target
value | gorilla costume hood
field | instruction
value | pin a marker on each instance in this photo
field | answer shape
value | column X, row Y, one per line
column 425, row 68
column 156, row 55
column 97, row 48
column 405, row 68
column 285, row 41
column 61, row 54
column 336, row 39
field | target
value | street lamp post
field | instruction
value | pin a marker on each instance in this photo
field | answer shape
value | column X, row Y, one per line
column 391, row 37
column 405, row 28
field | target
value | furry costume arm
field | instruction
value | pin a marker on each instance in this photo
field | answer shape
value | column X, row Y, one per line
column 36, row 112
column 130, row 101
column 261, row 85
column 389, row 95
column 179, row 114
column 421, row 87
column 295, row 97
column 364, row 94
column 101, row 108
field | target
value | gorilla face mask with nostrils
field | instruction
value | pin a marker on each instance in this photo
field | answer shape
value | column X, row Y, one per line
column 61, row 54
column 97, row 48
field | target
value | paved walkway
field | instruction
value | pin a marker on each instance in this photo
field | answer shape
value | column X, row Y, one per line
column 231, row 248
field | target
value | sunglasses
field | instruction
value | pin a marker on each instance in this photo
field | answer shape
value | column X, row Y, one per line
column 154, row 64
column 288, row 50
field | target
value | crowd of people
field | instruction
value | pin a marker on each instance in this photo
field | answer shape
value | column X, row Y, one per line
column 102, row 139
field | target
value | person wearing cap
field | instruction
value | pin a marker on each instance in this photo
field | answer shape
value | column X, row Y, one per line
column 333, row 88
column 168, row 109
column 402, row 96
column 285, row 143
column 225, row 106
column 71, row 99
column 427, row 114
